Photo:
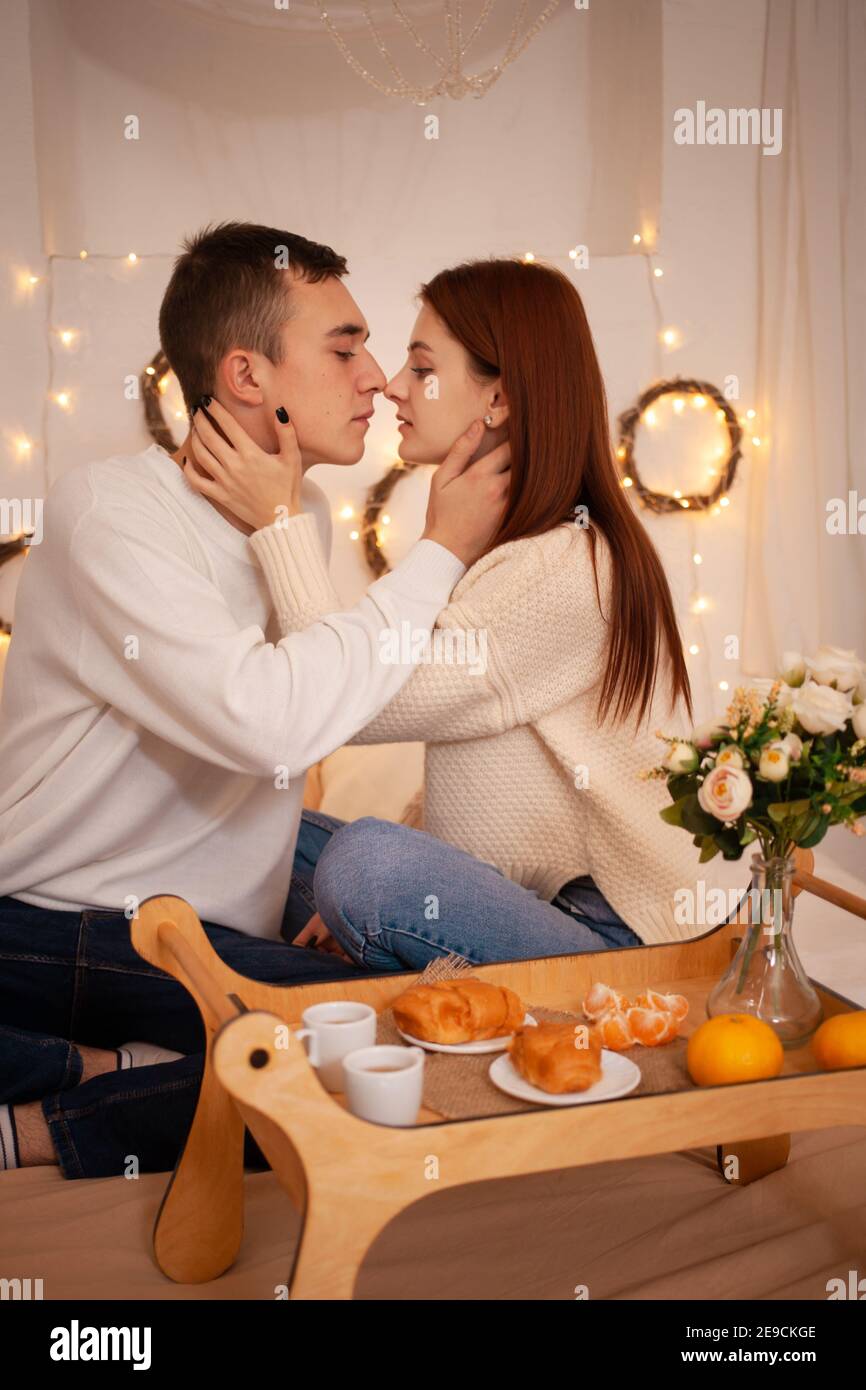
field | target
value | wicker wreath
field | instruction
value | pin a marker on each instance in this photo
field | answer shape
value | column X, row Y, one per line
column 377, row 496
column 156, row 371
column 628, row 421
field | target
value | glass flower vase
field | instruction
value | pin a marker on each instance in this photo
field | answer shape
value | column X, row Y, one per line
column 766, row 977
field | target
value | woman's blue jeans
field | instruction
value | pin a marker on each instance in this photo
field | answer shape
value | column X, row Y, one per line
column 397, row 898
column 68, row 977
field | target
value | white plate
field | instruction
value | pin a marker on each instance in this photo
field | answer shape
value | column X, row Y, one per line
column 619, row 1075
column 485, row 1044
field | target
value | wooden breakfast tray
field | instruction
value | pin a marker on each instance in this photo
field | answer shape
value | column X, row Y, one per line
column 349, row 1177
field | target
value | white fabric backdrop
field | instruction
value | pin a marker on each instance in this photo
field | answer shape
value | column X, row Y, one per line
column 805, row 582
column 244, row 120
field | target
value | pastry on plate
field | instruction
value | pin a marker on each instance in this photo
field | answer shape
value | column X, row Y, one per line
column 558, row 1057
column 458, row 1011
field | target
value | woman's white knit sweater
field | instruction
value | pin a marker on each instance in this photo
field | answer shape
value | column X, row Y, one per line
column 517, row 770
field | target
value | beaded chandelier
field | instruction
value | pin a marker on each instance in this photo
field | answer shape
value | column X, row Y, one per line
column 451, row 81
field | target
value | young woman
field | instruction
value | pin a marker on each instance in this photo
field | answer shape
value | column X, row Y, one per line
column 536, row 740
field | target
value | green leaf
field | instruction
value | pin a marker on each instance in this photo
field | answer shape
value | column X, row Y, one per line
column 814, row 836
column 709, row 849
column 780, row 811
column 673, row 815
column 680, row 784
column 695, row 819
column 748, row 835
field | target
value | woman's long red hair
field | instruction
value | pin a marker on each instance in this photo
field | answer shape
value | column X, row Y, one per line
column 525, row 323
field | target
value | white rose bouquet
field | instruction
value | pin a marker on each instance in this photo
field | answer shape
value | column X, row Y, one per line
column 787, row 761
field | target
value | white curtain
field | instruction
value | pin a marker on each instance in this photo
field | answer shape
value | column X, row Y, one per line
column 805, row 582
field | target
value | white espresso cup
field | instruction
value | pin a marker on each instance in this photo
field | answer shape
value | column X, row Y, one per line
column 333, row 1030
column 384, row 1083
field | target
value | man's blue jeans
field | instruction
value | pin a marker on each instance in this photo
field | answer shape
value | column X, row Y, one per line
column 68, row 978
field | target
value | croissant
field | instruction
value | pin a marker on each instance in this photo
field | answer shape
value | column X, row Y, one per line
column 458, row 1011
column 558, row 1057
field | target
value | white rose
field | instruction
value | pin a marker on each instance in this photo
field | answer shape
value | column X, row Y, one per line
column 837, row 666
column 775, row 763
column 821, row 709
column 682, row 757
column 703, row 734
column 794, row 746
column 858, row 719
column 725, row 793
column 793, row 668
column 730, row 756
column 762, row 686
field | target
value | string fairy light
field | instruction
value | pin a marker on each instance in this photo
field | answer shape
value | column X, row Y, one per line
column 154, row 381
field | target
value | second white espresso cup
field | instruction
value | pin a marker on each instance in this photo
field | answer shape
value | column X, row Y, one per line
column 334, row 1030
column 384, row 1083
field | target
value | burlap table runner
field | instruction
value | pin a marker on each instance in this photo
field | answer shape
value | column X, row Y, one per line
column 457, row 1085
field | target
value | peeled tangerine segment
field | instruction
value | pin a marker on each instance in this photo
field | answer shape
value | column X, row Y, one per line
column 676, row 1004
column 616, row 1031
column 651, row 1019
column 602, row 999
column 652, row 1026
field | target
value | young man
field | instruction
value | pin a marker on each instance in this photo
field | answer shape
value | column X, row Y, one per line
column 153, row 740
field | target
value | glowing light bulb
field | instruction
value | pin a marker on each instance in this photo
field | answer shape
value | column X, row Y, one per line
column 353, row 535
column 724, row 501
column 628, row 482
column 669, row 336
column 386, row 520
column 67, row 336
column 756, row 440
column 750, row 414
column 150, row 371
column 63, row 399
column 23, row 446
column 346, row 512
column 694, row 649
column 132, row 258
column 677, row 492
column 685, row 502
column 679, row 403
column 700, row 605
column 698, row 559
column 621, row 452
column 723, row 685
column 720, row 414
column 572, row 255
column 636, row 239
column 658, row 272
column 529, row 256
column 699, row 402
column 33, row 279
column 82, row 255
column 650, row 418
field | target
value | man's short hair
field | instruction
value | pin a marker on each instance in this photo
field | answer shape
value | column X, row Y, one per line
column 228, row 290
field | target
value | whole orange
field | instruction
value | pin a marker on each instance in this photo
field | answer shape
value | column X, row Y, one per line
column 733, row 1047
column 841, row 1041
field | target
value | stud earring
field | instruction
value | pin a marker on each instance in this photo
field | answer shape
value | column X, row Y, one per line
column 488, row 419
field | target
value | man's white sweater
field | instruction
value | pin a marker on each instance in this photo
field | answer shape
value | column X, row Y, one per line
column 518, row 771
column 152, row 740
